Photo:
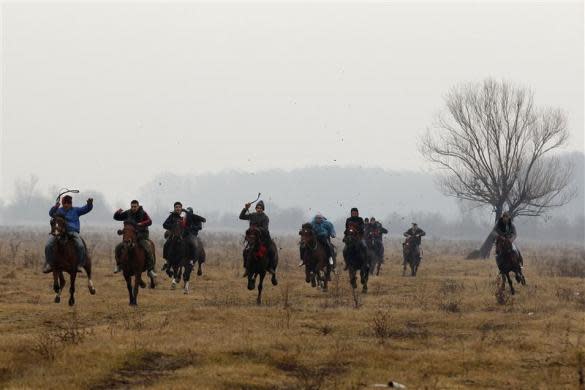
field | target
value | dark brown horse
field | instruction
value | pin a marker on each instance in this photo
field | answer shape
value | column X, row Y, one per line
column 178, row 258
column 508, row 261
column 315, row 258
column 65, row 260
column 256, row 255
column 132, row 260
column 411, row 256
column 375, row 250
column 356, row 258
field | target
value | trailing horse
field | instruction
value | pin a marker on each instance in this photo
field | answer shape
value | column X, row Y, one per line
column 375, row 250
column 315, row 258
column 508, row 261
column 411, row 256
column 178, row 258
column 257, row 262
column 132, row 260
column 356, row 258
column 65, row 260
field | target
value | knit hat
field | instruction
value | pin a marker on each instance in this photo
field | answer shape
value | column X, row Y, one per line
column 260, row 204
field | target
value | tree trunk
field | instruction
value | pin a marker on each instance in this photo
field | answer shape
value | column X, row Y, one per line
column 484, row 251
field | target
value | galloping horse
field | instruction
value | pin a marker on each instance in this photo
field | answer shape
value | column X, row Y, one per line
column 256, row 254
column 314, row 257
column 375, row 250
column 508, row 261
column 410, row 255
column 178, row 258
column 132, row 260
column 66, row 260
column 356, row 258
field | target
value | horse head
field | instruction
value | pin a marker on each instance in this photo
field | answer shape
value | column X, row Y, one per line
column 128, row 234
column 307, row 234
column 503, row 245
column 58, row 226
column 352, row 235
column 252, row 236
column 176, row 233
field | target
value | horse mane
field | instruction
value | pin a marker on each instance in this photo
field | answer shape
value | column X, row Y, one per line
column 307, row 226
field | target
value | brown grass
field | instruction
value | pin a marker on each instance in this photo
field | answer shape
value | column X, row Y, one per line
column 443, row 329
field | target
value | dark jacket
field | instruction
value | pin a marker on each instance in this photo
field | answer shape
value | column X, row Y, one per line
column 140, row 218
column 256, row 219
column 175, row 218
column 194, row 223
column 378, row 225
column 416, row 233
column 505, row 229
column 358, row 222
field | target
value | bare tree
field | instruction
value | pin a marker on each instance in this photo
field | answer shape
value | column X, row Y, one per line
column 494, row 148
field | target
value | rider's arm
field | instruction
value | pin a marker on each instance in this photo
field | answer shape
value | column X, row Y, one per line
column 422, row 233
column 168, row 223
column 53, row 210
column 146, row 221
column 84, row 209
column 120, row 215
column 331, row 229
column 384, row 230
column 406, row 233
column 199, row 218
column 244, row 214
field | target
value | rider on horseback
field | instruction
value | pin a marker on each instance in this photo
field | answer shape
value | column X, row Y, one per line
column 381, row 230
column 194, row 225
column 416, row 233
column 71, row 215
column 505, row 228
column 357, row 223
column 324, row 231
column 142, row 221
column 260, row 220
column 177, row 216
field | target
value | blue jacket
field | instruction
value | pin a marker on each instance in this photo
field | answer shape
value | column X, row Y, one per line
column 71, row 216
column 324, row 229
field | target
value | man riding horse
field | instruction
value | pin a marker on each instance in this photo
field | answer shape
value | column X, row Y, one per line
column 505, row 228
column 260, row 220
column 357, row 223
column 415, row 233
column 71, row 215
column 377, row 230
column 191, row 223
column 324, row 231
column 140, row 219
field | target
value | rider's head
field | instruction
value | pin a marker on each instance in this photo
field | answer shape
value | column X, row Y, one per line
column 318, row 218
column 355, row 212
column 178, row 207
column 134, row 205
column 506, row 216
column 372, row 220
column 414, row 225
column 260, row 207
column 189, row 210
column 366, row 220
column 67, row 202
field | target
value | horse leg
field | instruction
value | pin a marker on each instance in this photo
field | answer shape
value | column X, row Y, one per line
column 313, row 279
column 87, row 268
column 378, row 268
column 251, row 281
column 128, row 279
column 137, row 282
column 72, row 289
column 174, row 277
column 260, row 285
column 510, row 283
column 186, row 277
column 57, row 287
column 199, row 269
column 307, row 274
column 352, row 277
column 364, row 273
column 326, row 278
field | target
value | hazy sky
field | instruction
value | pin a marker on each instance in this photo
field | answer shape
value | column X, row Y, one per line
column 104, row 96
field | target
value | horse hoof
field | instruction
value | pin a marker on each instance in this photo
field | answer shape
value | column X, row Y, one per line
column 313, row 284
column 133, row 304
column 308, row 280
column 92, row 291
column 258, row 302
column 57, row 299
column 199, row 272
column 142, row 284
column 274, row 280
column 71, row 302
column 251, row 285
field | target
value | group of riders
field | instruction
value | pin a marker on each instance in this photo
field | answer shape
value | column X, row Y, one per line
column 367, row 230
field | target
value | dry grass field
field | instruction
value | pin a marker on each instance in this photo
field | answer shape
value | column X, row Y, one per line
column 443, row 329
